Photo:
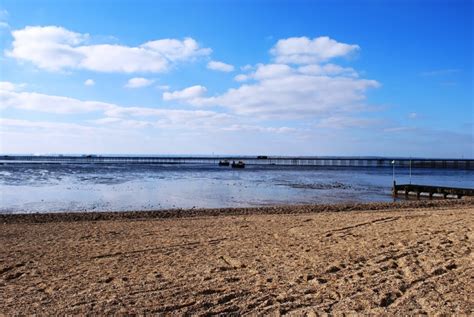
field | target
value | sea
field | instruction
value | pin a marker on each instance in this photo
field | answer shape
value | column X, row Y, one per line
column 40, row 188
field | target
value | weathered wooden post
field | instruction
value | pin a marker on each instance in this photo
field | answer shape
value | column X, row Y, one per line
column 394, row 189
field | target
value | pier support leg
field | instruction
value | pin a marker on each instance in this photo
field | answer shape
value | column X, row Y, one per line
column 394, row 189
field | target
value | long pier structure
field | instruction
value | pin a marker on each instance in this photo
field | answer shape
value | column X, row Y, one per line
column 335, row 161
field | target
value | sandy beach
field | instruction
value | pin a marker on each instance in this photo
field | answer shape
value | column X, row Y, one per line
column 391, row 258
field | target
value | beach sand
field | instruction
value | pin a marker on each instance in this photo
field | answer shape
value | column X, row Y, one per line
column 405, row 258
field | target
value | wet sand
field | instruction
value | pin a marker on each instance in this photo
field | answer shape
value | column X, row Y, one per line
column 403, row 258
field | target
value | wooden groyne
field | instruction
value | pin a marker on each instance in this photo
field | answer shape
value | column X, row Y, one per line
column 324, row 161
column 430, row 191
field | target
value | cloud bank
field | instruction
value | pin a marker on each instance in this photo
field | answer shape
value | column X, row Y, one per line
column 55, row 48
column 283, row 91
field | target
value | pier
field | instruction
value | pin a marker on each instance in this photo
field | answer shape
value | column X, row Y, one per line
column 327, row 161
column 430, row 191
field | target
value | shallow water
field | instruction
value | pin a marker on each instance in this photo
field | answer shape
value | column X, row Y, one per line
column 118, row 187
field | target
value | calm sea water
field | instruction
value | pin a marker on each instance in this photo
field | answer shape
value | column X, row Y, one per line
column 118, row 187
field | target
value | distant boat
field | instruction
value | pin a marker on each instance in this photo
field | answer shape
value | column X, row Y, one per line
column 224, row 163
column 239, row 164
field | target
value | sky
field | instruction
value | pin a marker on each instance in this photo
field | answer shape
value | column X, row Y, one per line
column 351, row 78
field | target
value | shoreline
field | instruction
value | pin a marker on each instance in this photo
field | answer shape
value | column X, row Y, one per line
column 237, row 211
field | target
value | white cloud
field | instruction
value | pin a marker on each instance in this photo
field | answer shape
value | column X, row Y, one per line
column 138, row 82
column 283, row 92
column 190, row 94
column 412, row 115
column 302, row 50
column 4, row 25
column 280, row 70
column 327, row 69
column 7, row 86
column 47, row 47
column 241, row 77
column 220, row 66
column 177, row 50
column 51, row 104
column 55, row 48
column 115, row 117
column 176, row 118
column 89, row 82
column 269, row 71
column 37, row 102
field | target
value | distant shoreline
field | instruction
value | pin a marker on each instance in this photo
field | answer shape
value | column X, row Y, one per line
column 206, row 212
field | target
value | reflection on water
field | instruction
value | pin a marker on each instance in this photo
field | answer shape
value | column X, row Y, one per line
column 101, row 187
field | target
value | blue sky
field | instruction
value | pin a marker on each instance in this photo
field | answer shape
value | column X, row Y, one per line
column 237, row 77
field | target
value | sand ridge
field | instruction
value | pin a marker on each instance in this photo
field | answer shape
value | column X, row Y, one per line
column 27, row 217
column 403, row 261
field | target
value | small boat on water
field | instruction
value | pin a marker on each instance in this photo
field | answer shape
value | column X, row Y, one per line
column 224, row 163
column 239, row 164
